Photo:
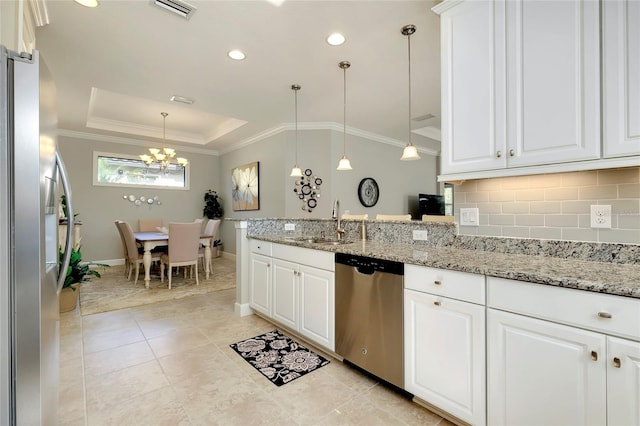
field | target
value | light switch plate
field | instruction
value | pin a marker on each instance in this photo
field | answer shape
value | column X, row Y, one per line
column 420, row 235
column 289, row 226
column 469, row 217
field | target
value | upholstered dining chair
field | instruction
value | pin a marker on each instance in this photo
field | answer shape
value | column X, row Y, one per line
column 124, row 248
column 210, row 229
column 149, row 225
column 184, row 243
column 134, row 255
column 355, row 216
column 393, row 217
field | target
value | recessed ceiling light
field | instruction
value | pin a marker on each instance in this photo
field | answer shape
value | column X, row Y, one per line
column 236, row 55
column 88, row 3
column 335, row 39
column 182, row 99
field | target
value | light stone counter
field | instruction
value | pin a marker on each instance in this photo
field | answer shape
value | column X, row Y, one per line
column 603, row 277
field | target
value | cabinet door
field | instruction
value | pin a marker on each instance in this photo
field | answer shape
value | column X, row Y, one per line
column 317, row 306
column 285, row 293
column 553, row 76
column 473, row 87
column 623, row 382
column 445, row 354
column 621, row 77
column 260, row 283
column 543, row 373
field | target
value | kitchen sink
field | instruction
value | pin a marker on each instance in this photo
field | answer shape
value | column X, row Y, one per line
column 322, row 241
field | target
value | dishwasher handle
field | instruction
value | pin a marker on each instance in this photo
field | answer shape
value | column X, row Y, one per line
column 365, row 270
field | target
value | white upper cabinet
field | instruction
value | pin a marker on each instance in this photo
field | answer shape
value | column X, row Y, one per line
column 473, row 89
column 521, row 87
column 621, row 77
column 553, row 75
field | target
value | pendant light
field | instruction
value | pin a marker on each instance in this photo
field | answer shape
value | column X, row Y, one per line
column 410, row 152
column 296, row 171
column 344, row 163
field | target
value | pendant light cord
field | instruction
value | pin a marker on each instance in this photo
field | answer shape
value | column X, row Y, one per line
column 344, row 113
column 295, row 91
column 409, row 50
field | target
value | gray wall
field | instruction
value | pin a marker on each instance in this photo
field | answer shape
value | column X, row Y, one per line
column 100, row 206
column 320, row 151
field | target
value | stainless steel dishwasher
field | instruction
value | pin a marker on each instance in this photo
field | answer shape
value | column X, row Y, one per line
column 369, row 321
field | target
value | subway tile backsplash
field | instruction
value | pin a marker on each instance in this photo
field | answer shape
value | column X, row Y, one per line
column 554, row 206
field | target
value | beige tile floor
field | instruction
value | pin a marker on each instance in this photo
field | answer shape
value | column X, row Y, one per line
column 170, row 364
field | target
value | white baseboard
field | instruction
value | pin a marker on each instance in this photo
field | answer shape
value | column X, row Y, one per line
column 110, row 262
column 229, row 256
column 242, row 310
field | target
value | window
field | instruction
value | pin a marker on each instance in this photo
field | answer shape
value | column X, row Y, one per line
column 130, row 171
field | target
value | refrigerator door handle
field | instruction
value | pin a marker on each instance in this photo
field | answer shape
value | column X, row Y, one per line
column 64, row 178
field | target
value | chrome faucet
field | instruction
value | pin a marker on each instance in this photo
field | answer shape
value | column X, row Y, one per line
column 335, row 215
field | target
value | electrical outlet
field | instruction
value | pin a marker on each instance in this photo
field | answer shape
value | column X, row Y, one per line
column 469, row 217
column 420, row 235
column 601, row 216
column 289, row 226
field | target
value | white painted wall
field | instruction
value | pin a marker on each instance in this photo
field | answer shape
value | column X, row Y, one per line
column 100, row 206
column 320, row 151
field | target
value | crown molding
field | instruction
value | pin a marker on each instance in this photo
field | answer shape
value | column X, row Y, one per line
column 127, row 141
column 140, row 130
column 325, row 126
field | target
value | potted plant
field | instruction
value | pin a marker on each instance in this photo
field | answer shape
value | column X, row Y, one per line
column 77, row 272
column 212, row 205
column 213, row 210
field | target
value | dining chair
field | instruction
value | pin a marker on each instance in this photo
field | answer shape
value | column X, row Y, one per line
column 124, row 248
column 393, row 217
column 210, row 229
column 355, row 216
column 135, row 256
column 149, row 225
column 184, row 243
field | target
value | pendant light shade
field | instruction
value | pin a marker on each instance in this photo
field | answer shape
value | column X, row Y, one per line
column 344, row 163
column 296, row 171
column 410, row 152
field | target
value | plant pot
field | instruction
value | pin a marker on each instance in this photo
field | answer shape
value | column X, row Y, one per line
column 216, row 251
column 69, row 299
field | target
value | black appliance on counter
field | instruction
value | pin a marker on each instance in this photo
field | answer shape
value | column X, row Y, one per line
column 431, row 204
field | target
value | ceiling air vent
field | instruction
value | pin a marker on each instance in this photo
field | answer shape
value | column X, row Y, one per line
column 178, row 7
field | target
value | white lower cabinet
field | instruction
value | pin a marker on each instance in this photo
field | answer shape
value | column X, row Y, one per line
column 558, row 356
column 544, row 373
column 289, row 289
column 445, row 341
column 260, row 283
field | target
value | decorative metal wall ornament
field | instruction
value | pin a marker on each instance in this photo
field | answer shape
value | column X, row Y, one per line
column 138, row 201
column 307, row 187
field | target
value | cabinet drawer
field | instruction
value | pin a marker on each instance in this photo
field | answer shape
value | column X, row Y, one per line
column 614, row 315
column 441, row 282
column 261, row 247
column 317, row 258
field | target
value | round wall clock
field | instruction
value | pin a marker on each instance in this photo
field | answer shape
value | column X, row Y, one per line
column 368, row 192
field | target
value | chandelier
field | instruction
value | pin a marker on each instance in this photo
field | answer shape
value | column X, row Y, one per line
column 163, row 156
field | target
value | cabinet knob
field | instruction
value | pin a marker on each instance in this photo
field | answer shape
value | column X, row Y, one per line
column 437, row 282
column 603, row 314
column 259, row 247
column 511, row 153
column 499, row 154
column 437, row 303
column 268, row 265
column 616, row 362
column 594, row 355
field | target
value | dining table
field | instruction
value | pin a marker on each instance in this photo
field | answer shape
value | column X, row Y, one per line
column 151, row 240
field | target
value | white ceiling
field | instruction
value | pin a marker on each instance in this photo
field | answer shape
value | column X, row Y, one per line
column 117, row 65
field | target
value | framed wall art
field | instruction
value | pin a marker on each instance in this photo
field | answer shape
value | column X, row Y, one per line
column 246, row 187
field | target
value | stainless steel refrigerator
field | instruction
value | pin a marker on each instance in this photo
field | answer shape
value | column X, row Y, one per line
column 32, row 177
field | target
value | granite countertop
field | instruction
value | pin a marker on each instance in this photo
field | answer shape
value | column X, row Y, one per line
column 601, row 277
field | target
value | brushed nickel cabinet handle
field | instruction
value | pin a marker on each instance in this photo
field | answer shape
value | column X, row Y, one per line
column 437, row 282
column 511, row 153
column 616, row 362
column 594, row 355
column 437, row 303
column 603, row 314
column 499, row 154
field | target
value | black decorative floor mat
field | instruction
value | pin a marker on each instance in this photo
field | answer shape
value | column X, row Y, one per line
column 278, row 358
